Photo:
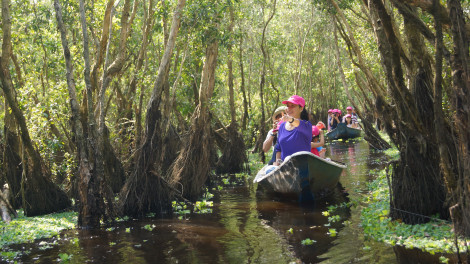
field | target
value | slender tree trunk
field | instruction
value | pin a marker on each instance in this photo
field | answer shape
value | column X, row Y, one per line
column 192, row 167
column 145, row 190
column 374, row 139
column 460, row 96
column 411, row 180
column 234, row 152
column 262, row 124
column 242, row 87
column 90, row 199
column 40, row 195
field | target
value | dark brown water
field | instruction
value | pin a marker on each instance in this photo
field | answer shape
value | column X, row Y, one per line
column 245, row 226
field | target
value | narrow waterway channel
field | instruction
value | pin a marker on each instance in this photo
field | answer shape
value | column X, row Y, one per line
column 246, row 226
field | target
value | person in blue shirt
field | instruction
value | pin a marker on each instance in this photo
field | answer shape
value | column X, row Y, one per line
column 336, row 119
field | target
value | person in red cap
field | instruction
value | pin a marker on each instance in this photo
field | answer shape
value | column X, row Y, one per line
column 295, row 133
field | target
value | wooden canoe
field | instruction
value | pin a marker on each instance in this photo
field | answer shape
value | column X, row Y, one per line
column 344, row 132
column 303, row 174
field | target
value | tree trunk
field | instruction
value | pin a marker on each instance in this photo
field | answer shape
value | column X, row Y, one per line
column 417, row 189
column 145, row 190
column 242, row 87
column 460, row 97
column 262, row 123
column 11, row 158
column 91, row 205
column 233, row 153
column 192, row 167
column 40, row 195
column 374, row 139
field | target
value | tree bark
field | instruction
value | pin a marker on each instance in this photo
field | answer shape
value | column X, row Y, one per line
column 262, row 124
column 411, row 180
column 144, row 190
column 90, row 199
column 233, row 153
column 242, row 86
column 40, row 195
column 192, row 167
column 374, row 139
column 460, row 97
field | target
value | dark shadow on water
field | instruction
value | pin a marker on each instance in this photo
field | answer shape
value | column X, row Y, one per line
column 247, row 225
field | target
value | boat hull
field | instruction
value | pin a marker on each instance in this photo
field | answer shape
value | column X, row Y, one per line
column 342, row 131
column 302, row 173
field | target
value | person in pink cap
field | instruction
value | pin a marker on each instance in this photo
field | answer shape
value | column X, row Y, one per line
column 348, row 111
column 348, row 121
column 335, row 120
column 318, row 139
column 295, row 133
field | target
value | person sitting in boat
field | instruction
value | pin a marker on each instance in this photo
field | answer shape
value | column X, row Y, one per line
column 318, row 139
column 335, row 119
column 354, row 117
column 350, row 111
column 271, row 138
column 330, row 116
column 295, row 133
column 348, row 121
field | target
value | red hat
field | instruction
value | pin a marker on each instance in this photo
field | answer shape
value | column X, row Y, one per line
column 315, row 131
column 295, row 99
column 348, row 108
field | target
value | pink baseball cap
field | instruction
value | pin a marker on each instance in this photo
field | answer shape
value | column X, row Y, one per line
column 335, row 111
column 295, row 99
column 348, row 115
column 348, row 108
column 315, row 131
column 330, row 110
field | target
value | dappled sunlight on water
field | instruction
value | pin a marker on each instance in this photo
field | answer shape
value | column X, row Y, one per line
column 245, row 226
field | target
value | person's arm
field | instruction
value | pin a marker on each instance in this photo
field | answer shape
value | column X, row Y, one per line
column 320, row 143
column 268, row 142
column 278, row 159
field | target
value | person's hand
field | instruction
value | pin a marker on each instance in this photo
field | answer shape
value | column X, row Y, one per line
column 275, row 129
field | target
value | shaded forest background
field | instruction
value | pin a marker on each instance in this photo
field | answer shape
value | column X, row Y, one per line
column 124, row 106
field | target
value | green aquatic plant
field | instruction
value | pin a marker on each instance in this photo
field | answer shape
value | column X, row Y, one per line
column 149, row 227
column 308, row 242
column 203, row 207
column 443, row 259
column 332, row 232
column 65, row 258
column 436, row 236
column 27, row 229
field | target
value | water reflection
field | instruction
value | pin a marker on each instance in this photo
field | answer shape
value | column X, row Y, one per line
column 246, row 226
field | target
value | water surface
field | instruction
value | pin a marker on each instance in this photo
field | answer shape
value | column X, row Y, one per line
column 246, row 226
